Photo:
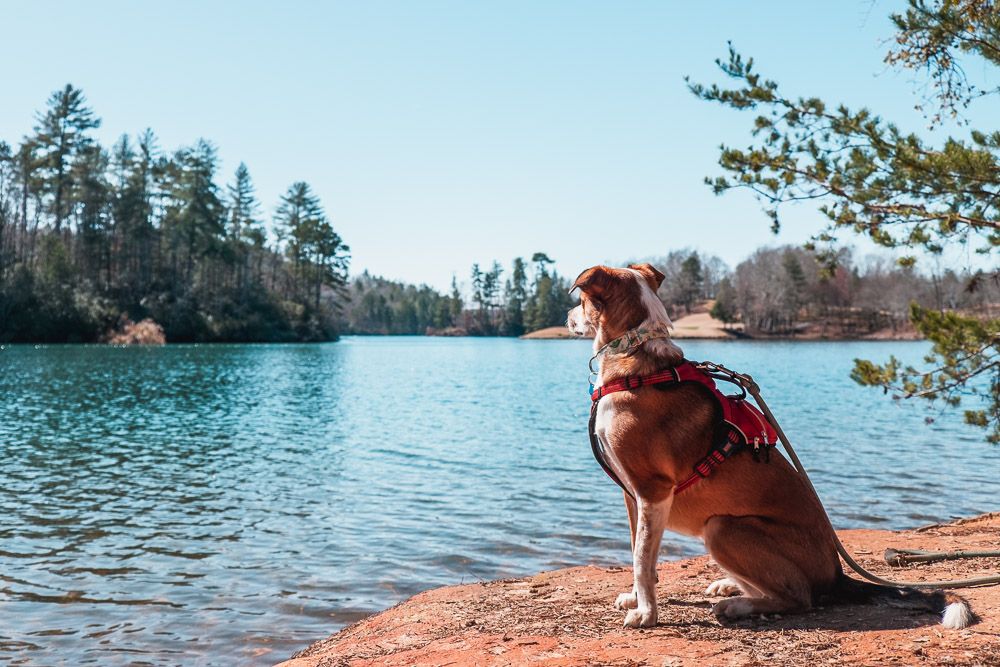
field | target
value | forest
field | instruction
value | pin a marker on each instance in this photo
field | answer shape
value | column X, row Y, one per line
column 534, row 296
column 93, row 238
column 777, row 291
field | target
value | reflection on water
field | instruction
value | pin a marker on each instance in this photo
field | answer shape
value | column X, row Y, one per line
column 230, row 504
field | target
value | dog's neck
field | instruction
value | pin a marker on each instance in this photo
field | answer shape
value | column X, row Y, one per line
column 640, row 351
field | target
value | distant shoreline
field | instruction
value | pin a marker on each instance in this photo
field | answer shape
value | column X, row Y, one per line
column 561, row 333
column 542, row 334
column 700, row 325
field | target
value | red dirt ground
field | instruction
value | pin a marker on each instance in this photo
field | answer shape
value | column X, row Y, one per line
column 565, row 618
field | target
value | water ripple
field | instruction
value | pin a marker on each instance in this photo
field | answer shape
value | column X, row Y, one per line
column 226, row 504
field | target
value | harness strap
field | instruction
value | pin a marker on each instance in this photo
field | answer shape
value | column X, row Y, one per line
column 735, row 433
column 704, row 467
column 634, row 382
column 595, row 447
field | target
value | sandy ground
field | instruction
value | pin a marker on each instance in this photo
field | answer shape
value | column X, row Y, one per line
column 700, row 325
column 703, row 325
column 696, row 325
column 549, row 333
column 565, row 617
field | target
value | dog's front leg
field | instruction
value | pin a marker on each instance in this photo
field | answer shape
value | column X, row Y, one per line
column 651, row 521
column 627, row 601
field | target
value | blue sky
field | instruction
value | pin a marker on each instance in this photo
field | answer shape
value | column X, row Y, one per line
column 443, row 133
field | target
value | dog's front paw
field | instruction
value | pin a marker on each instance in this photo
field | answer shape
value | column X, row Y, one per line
column 640, row 618
column 626, row 601
column 724, row 587
column 733, row 608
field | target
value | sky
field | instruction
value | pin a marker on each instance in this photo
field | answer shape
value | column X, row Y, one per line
column 439, row 134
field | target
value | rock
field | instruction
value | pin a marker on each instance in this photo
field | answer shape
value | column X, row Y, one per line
column 144, row 332
column 495, row 623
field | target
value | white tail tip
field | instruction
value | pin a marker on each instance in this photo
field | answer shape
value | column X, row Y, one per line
column 956, row 616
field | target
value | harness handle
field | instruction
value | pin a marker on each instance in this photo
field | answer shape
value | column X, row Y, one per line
column 748, row 384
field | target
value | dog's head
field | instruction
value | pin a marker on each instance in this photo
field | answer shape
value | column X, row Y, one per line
column 612, row 301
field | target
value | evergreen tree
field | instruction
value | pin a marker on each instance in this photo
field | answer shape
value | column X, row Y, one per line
column 318, row 254
column 133, row 180
column 455, row 303
column 244, row 209
column 691, row 281
column 195, row 212
column 491, row 297
column 899, row 190
column 549, row 300
column 92, row 212
column 60, row 135
column 331, row 257
column 89, row 235
column 7, row 205
column 246, row 232
column 516, row 294
column 299, row 213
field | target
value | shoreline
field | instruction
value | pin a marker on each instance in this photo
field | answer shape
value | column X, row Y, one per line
column 561, row 333
column 541, row 334
column 565, row 617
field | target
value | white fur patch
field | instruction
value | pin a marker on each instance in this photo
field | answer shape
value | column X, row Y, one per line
column 656, row 314
column 656, row 311
column 626, row 601
column 723, row 587
column 956, row 616
column 576, row 322
column 640, row 618
column 605, row 418
column 733, row 608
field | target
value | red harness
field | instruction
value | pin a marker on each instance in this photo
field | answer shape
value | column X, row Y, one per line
column 742, row 425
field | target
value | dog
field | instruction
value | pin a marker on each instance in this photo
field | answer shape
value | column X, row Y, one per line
column 759, row 521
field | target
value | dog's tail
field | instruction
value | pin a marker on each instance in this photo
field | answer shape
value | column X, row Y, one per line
column 954, row 609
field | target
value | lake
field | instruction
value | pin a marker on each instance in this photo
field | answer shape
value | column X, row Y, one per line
column 230, row 504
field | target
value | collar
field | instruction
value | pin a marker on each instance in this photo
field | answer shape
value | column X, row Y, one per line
column 628, row 342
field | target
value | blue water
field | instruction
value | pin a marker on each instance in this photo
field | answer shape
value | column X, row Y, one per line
column 219, row 505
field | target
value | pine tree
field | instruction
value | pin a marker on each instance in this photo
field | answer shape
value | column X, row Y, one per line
column 455, row 304
column 899, row 190
column 195, row 212
column 92, row 212
column 516, row 293
column 61, row 133
column 318, row 254
column 244, row 208
column 245, row 230
column 297, row 215
column 691, row 281
column 89, row 235
column 7, row 205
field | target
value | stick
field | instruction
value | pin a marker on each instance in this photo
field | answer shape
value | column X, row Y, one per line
column 903, row 557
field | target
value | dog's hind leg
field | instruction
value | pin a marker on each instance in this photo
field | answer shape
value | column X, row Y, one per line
column 628, row 600
column 747, row 548
column 728, row 586
column 650, row 522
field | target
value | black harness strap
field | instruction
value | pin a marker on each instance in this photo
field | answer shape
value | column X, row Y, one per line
column 598, row 451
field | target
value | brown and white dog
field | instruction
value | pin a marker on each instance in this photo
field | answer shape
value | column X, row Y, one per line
column 760, row 522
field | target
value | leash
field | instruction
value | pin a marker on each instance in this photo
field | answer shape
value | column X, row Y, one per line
column 747, row 383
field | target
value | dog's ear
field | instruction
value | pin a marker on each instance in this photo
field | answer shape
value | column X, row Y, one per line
column 650, row 273
column 594, row 282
